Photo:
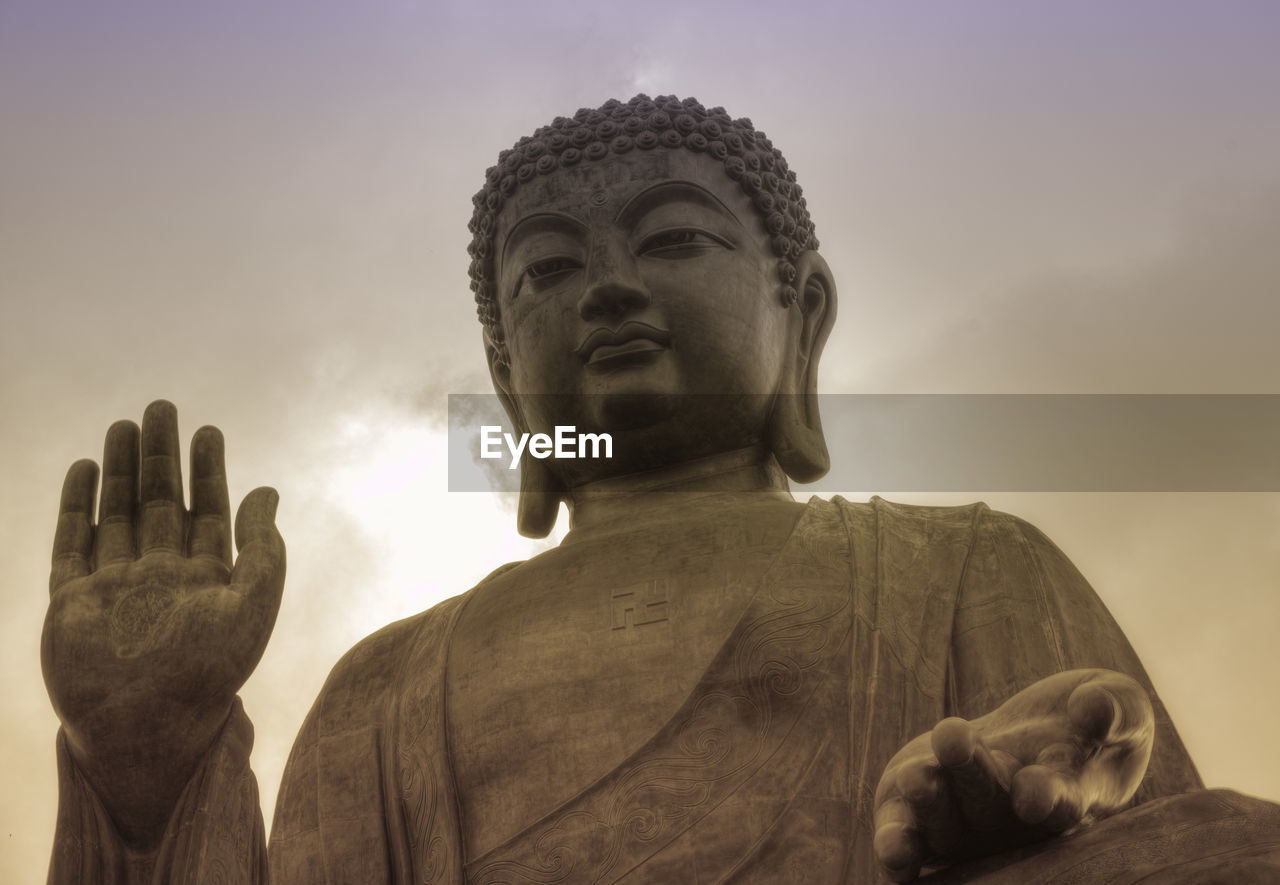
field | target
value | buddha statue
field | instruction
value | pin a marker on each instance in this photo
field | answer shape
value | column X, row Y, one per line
column 706, row 681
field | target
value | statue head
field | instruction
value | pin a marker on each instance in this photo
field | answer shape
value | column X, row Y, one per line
column 650, row 267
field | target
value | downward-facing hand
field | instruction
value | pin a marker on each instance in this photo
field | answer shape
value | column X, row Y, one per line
column 1069, row 747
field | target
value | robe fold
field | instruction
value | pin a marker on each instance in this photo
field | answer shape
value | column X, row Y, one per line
column 873, row 622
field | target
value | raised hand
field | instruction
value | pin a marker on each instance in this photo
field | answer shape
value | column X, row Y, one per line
column 1068, row 748
column 151, row 631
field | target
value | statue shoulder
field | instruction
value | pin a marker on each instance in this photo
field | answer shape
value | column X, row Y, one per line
column 975, row 520
column 370, row 664
column 879, row 510
column 370, row 668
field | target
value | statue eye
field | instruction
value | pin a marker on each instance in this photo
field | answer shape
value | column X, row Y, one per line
column 550, row 267
column 680, row 243
column 545, row 273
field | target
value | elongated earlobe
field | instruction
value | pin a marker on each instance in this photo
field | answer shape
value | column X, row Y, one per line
column 540, row 490
column 540, row 496
column 795, row 427
column 795, row 434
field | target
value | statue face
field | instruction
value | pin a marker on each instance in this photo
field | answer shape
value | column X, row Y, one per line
column 634, row 284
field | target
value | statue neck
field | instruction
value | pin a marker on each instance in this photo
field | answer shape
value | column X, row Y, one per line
column 742, row 476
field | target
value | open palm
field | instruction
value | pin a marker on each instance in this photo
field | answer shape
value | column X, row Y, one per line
column 151, row 630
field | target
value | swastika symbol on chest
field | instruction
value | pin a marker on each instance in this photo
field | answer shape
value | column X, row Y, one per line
column 637, row 605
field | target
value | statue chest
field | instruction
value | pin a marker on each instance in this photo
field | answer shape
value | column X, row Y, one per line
column 565, row 667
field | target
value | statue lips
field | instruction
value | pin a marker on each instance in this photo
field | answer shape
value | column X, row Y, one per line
column 632, row 341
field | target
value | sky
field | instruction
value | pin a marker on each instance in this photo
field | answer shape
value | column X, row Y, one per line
column 258, row 211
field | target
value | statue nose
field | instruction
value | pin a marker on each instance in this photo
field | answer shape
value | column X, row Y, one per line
column 614, row 287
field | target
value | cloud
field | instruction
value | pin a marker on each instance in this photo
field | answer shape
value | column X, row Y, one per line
column 1199, row 317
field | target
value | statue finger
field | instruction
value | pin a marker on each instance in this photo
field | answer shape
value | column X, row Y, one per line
column 979, row 779
column 161, row 517
column 926, row 789
column 897, row 843
column 210, row 505
column 1112, row 714
column 260, row 565
column 1046, row 798
column 73, row 537
column 117, row 509
column 1111, row 708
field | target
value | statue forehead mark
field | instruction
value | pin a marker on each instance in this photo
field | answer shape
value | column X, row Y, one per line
column 598, row 202
column 606, row 182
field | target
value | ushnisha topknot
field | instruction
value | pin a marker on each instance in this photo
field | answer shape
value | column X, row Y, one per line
column 643, row 123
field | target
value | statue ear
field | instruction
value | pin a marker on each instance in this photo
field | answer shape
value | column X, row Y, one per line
column 540, row 490
column 795, row 428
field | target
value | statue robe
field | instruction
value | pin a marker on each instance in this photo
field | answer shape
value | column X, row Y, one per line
column 873, row 622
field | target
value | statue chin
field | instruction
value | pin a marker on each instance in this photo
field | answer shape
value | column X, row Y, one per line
column 620, row 413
